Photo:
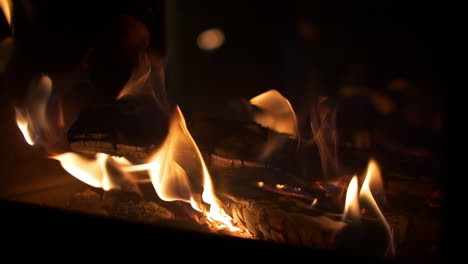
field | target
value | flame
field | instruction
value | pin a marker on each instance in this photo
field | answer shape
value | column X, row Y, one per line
column 85, row 170
column 22, row 120
column 136, row 83
column 276, row 112
column 352, row 203
column 94, row 172
column 373, row 180
column 174, row 169
column 147, row 80
column 32, row 118
column 6, row 6
column 323, row 125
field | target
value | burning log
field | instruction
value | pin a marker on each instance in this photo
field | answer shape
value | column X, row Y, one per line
column 119, row 204
column 177, row 170
column 132, row 208
column 283, row 221
column 265, row 214
column 120, row 131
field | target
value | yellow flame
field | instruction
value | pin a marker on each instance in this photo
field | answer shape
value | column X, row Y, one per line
column 170, row 165
column 351, row 210
column 93, row 172
column 32, row 117
column 276, row 112
column 85, row 170
column 22, row 120
column 169, row 179
column 373, row 180
column 6, row 6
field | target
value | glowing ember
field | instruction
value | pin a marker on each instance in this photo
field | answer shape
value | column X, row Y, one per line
column 279, row 186
column 276, row 112
column 314, row 202
column 352, row 204
column 373, row 180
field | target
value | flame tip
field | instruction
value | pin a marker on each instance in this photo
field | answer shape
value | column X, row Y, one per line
column 275, row 112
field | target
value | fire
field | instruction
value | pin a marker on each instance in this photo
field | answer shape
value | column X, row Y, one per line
column 169, row 179
column 373, row 180
column 6, row 7
column 352, row 203
column 22, row 121
column 32, row 117
column 323, row 125
column 146, row 80
column 177, row 167
column 276, row 112
column 93, row 172
column 136, row 83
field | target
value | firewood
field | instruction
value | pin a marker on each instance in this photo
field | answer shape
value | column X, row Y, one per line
column 233, row 149
column 280, row 222
column 120, row 204
column 130, row 130
column 130, row 125
column 87, row 201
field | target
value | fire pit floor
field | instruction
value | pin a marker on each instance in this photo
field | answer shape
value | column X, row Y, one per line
column 54, row 226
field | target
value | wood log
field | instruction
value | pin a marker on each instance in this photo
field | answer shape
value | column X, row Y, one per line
column 127, row 129
column 130, row 125
column 232, row 149
column 282, row 221
column 131, row 207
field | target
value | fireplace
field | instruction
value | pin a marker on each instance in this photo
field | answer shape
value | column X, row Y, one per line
column 233, row 124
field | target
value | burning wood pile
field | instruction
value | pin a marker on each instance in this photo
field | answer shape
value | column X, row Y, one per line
column 258, row 193
column 241, row 168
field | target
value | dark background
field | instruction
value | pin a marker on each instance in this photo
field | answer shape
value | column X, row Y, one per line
column 264, row 47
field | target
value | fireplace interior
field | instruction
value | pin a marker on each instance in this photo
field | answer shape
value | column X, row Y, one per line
column 260, row 118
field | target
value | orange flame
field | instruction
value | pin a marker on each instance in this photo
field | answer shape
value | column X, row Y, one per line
column 352, row 203
column 276, row 112
column 93, row 172
column 323, row 125
column 6, row 7
column 32, row 118
column 136, row 83
column 177, row 166
column 373, row 181
column 22, row 120
column 147, row 80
